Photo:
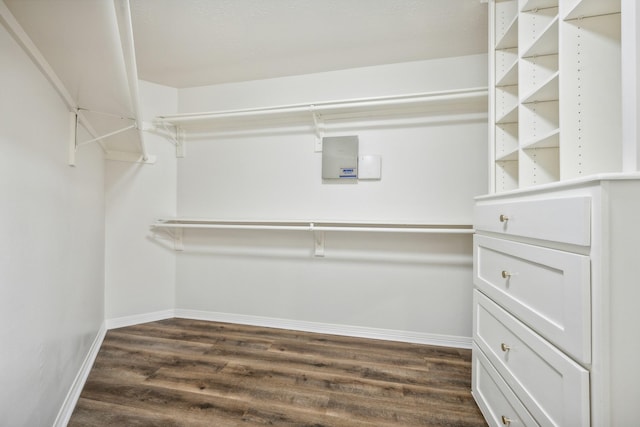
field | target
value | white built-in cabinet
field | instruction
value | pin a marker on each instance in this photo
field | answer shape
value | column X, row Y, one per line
column 555, row 70
column 555, row 333
column 556, row 269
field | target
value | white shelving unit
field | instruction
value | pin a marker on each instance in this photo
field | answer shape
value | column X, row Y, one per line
column 592, row 127
column 556, row 91
column 175, row 227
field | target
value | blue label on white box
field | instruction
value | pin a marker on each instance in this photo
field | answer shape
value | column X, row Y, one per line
column 348, row 173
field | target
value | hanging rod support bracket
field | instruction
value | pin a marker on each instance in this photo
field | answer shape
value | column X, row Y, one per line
column 115, row 132
column 178, row 243
column 181, row 143
column 318, row 239
column 73, row 138
column 317, row 128
column 176, row 137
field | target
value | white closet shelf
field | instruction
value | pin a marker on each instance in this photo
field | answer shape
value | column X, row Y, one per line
column 548, row 140
column 510, row 37
column 315, row 226
column 476, row 98
column 176, row 226
column 546, row 43
column 508, row 156
column 510, row 116
column 588, row 8
column 538, row 4
column 547, row 91
column 510, row 76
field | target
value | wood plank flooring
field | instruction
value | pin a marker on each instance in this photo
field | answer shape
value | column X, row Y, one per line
column 180, row 372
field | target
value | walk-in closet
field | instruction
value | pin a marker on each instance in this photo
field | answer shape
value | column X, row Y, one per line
column 319, row 212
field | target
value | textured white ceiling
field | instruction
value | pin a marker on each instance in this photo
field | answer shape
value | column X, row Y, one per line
column 185, row 43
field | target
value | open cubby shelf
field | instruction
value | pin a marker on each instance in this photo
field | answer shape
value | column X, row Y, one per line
column 550, row 84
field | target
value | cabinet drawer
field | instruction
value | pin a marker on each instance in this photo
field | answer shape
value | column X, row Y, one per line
column 494, row 397
column 547, row 289
column 566, row 220
column 553, row 388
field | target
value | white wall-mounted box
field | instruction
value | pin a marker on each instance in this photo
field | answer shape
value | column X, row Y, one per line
column 340, row 157
column 369, row 167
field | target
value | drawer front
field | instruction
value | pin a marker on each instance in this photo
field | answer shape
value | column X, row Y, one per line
column 566, row 220
column 547, row 289
column 553, row 388
column 494, row 397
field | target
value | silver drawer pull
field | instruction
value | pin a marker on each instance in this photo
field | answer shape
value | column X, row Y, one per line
column 506, row 420
column 504, row 218
column 505, row 347
column 505, row 274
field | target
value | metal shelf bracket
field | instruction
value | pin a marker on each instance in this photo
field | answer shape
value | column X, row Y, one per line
column 318, row 130
column 318, row 239
column 74, row 145
column 176, row 137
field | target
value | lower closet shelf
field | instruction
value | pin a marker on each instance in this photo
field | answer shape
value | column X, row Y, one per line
column 175, row 227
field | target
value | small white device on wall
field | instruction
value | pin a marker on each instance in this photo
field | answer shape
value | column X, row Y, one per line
column 369, row 167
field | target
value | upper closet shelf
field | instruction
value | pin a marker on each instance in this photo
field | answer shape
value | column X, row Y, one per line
column 462, row 100
column 85, row 49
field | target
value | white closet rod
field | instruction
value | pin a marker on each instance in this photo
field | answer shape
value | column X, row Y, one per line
column 123, row 12
column 386, row 101
column 319, row 226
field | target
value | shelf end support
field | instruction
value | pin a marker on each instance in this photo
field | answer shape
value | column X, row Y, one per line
column 317, row 128
column 73, row 138
column 318, row 238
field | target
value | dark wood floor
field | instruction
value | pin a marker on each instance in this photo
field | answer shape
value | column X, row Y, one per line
column 195, row 373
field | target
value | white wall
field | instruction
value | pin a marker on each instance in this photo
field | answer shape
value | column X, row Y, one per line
column 382, row 80
column 51, row 246
column 432, row 168
column 140, row 273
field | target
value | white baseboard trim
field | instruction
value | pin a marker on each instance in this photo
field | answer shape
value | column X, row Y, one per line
column 70, row 401
column 136, row 319
column 328, row 328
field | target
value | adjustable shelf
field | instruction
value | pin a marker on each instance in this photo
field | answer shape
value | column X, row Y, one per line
column 506, row 104
column 539, row 166
column 506, row 140
column 506, row 24
column 506, row 67
column 541, row 41
column 175, row 227
column 547, row 91
column 577, row 9
column 509, row 155
column 507, row 172
column 528, row 5
column 535, row 72
column 550, row 139
column 509, row 38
